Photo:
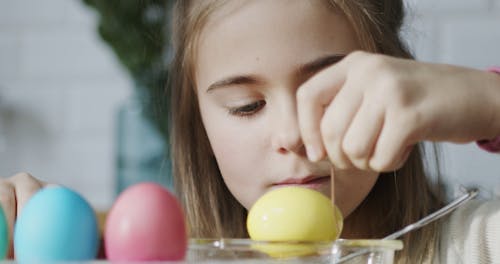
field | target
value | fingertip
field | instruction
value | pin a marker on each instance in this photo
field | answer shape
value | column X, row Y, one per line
column 343, row 165
column 314, row 153
column 338, row 158
column 361, row 164
column 404, row 157
column 376, row 165
column 384, row 164
column 51, row 185
column 25, row 191
column 387, row 160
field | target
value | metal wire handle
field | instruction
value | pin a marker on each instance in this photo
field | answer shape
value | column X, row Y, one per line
column 469, row 195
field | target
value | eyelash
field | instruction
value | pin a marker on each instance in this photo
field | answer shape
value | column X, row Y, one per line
column 247, row 110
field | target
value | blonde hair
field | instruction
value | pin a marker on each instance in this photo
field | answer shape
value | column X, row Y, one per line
column 212, row 211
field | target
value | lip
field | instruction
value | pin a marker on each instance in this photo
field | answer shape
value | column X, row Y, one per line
column 313, row 182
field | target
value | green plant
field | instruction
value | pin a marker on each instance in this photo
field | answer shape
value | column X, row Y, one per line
column 137, row 32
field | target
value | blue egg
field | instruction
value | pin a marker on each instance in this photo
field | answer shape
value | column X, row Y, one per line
column 4, row 235
column 56, row 224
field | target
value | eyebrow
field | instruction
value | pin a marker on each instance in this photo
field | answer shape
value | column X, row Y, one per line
column 305, row 69
column 319, row 64
column 234, row 80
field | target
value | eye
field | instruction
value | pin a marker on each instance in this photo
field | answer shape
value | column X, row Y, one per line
column 248, row 109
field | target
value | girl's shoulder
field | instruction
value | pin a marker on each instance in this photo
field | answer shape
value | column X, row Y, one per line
column 471, row 234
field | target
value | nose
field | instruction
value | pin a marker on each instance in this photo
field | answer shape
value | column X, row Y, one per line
column 287, row 137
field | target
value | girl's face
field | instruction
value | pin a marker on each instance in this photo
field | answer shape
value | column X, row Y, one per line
column 251, row 58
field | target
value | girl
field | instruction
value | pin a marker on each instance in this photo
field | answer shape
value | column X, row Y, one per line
column 267, row 94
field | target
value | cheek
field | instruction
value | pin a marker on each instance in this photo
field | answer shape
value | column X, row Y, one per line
column 232, row 157
column 231, row 145
column 237, row 163
column 239, row 149
column 352, row 187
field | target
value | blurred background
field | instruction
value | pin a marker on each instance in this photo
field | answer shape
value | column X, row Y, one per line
column 80, row 103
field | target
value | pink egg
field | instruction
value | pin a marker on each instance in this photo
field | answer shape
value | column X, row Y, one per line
column 146, row 223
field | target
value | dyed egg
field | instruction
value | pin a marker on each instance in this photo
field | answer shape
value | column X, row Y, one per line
column 4, row 235
column 146, row 223
column 294, row 214
column 56, row 224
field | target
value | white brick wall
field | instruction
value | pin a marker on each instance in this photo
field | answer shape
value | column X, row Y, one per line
column 9, row 65
column 471, row 41
column 451, row 6
column 467, row 33
column 60, row 87
column 68, row 53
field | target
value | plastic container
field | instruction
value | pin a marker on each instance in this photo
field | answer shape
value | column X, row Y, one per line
column 246, row 250
column 373, row 251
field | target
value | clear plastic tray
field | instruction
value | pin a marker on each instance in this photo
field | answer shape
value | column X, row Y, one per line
column 352, row 251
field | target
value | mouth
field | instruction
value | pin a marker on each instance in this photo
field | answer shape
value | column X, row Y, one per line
column 312, row 182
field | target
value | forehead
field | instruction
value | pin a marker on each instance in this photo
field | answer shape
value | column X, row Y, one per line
column 259, row 29
column 233, row 16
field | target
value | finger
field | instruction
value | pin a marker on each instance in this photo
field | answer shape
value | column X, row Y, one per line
column 8, row 202
column 404, row 157
column 312, row 99
column 45, row 184
column 25, row 186
column 361, row 136
column 391, row 145
column 24, row 191
column 335, row 122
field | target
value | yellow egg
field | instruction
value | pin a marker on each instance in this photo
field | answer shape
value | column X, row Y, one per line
column 294, row 214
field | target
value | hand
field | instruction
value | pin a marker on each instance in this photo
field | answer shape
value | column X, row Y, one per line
column 368, row 111
column 15, row 191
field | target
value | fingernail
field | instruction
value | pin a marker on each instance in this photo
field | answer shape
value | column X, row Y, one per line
column 313, row 153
